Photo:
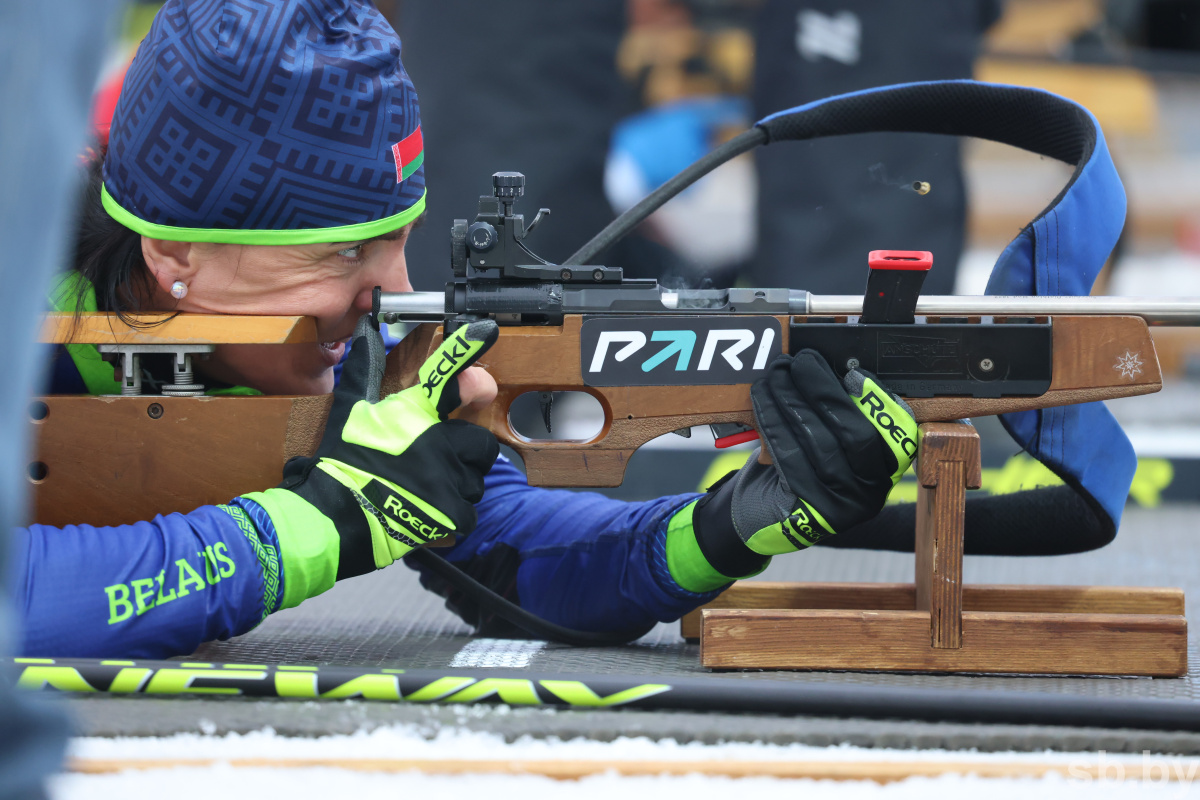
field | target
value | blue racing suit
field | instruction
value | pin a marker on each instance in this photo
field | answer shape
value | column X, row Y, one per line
column 162, row 587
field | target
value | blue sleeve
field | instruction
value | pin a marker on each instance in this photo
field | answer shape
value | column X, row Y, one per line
column 147, row 590
column 575, row 558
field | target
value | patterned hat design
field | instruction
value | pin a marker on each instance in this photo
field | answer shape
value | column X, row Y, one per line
column 266, row 122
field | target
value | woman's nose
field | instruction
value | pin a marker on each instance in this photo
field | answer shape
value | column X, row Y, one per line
column 390, row 274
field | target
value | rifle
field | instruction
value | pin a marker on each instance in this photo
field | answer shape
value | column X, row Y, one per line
column 657, row 359
column 118, row 459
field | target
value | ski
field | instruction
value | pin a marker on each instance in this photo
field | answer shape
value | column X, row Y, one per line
column 651, row 692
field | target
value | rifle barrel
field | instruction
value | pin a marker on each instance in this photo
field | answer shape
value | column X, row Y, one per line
column 1181, row 311
column 1155, row 310
column 413, row 306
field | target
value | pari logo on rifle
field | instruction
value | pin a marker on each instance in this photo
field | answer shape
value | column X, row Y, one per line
column 677, row 351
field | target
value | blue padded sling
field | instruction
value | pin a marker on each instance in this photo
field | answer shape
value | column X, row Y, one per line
column 1059, row 253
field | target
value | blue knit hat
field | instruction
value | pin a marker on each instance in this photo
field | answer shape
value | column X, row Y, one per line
column 266, row 122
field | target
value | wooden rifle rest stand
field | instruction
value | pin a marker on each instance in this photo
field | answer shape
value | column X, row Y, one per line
column 937, row 624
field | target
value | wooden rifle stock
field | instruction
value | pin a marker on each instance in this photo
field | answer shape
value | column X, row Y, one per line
column 1086, row 351
column 117, row 460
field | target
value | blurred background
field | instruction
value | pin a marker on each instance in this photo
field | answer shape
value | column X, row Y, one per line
column 598, row 102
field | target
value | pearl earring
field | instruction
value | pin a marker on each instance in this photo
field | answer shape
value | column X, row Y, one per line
column 179, row 290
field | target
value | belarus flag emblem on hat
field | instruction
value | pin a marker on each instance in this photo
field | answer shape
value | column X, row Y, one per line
column 410, row 154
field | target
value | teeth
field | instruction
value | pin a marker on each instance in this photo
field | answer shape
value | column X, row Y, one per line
column 330, row 345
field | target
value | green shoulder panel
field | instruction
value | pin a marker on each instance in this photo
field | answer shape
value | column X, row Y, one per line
column 98, row 375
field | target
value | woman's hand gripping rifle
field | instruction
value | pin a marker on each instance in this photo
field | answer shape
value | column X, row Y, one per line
column 390, row 474
column 837, row 449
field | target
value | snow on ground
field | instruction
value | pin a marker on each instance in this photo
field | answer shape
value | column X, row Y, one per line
column 324, row 784
column 406, row 742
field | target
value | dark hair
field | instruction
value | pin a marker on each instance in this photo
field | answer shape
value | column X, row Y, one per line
column 109, row 256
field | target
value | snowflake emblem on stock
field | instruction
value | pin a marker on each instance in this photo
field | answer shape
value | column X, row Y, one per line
column 1129, row 365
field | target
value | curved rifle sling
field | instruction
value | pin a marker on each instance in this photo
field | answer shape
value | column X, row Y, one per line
column 1059, row 253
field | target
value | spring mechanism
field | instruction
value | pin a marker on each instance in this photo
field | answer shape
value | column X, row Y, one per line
column 183, row 379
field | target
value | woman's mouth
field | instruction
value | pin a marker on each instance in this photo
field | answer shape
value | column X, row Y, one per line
column 333, row 351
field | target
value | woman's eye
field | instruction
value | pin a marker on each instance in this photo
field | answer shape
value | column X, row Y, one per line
column 351, row 252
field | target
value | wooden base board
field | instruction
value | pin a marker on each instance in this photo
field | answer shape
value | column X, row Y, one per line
column 976, row 597
column 898, row 641
column 1052, row 630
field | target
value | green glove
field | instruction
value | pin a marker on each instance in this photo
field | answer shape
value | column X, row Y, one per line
column 390, row 474
column 837, row 447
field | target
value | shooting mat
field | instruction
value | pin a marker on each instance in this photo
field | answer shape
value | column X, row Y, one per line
column 386, row 619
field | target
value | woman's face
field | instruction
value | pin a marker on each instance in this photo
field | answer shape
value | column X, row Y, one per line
column 330, row 282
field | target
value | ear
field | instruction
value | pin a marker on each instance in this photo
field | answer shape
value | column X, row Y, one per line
column 169, row 261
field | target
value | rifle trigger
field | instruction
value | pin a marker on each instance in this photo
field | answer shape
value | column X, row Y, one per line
column 546, row 400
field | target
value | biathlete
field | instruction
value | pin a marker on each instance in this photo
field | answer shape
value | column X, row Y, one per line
column 266, row 158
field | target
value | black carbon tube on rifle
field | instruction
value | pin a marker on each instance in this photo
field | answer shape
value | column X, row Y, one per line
column 482, row 298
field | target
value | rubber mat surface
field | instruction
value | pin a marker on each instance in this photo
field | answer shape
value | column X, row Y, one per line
column 387, row 619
